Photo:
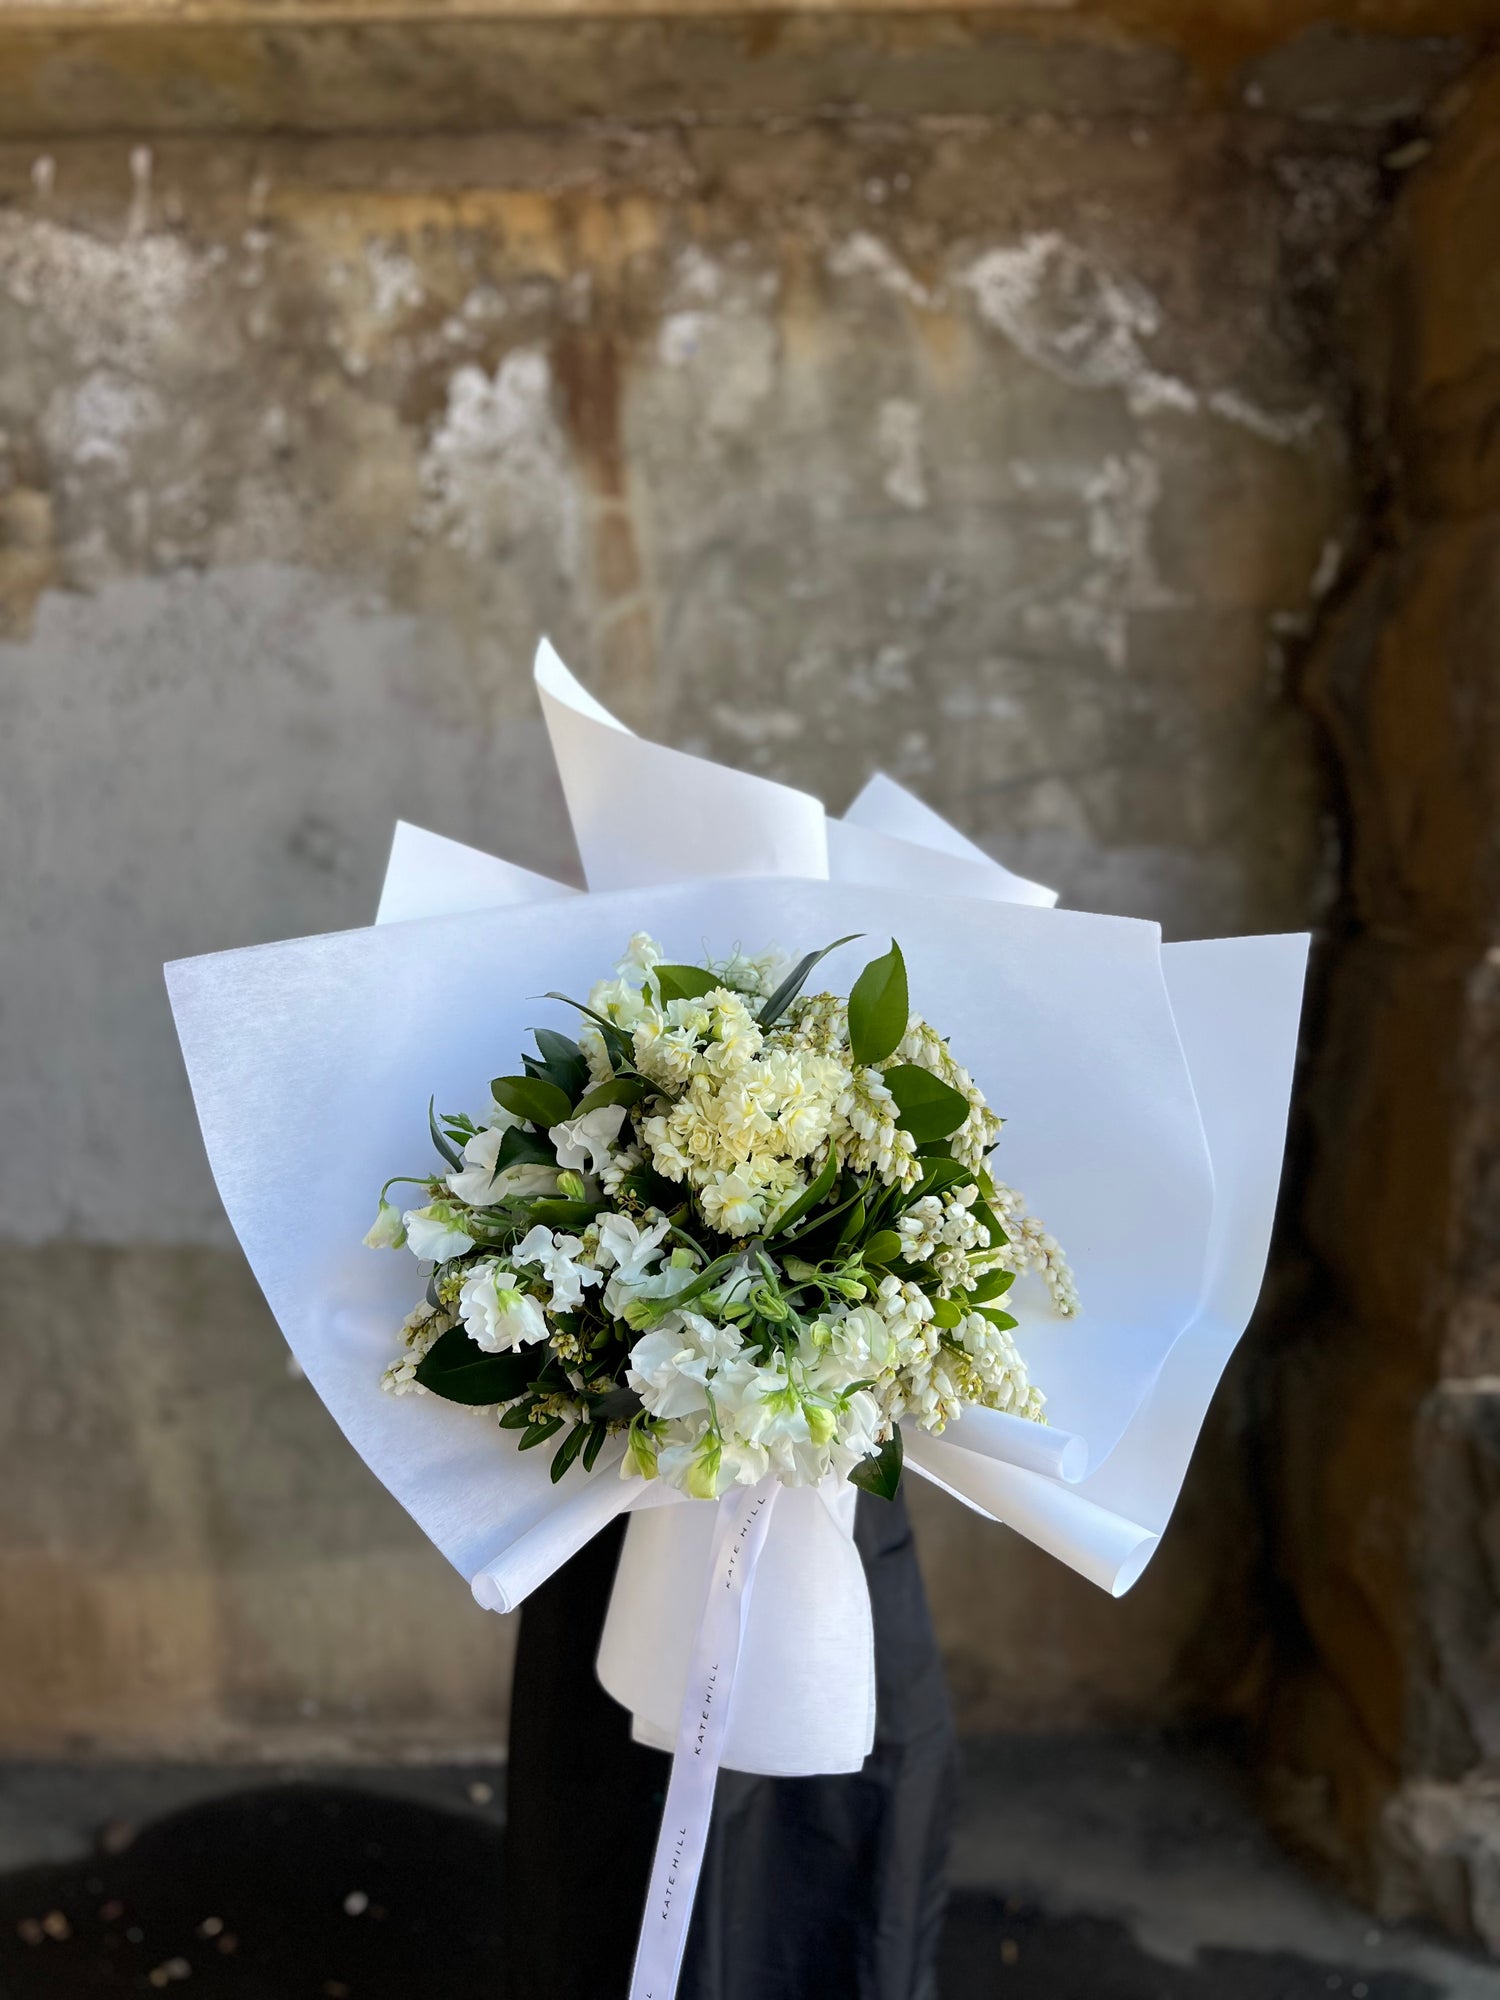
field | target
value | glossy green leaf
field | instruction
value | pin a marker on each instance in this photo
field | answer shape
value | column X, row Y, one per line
column 882, row 1247
column 993, row 1285
column 854, row 1224
column 564, row 1062
column 792, row 985
column 815, row 1191
column 454, row 1368
column 616, row 1040
column 882, row 1473
column 685, row 982
column 439, row 1137
column 535, row 1434
column 1003, row 1320
column 518, row 1148
column 878, row 1008
column 568, row 1450
column 532, row 1098
column 928, row 1108
column 619, row 1090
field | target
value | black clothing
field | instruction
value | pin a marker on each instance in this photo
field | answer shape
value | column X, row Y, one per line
column 824, row 1888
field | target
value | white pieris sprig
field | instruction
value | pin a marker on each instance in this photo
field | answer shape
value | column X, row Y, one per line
column 752, row 1229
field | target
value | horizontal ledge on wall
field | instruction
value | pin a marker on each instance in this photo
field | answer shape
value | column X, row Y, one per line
column 88, row 68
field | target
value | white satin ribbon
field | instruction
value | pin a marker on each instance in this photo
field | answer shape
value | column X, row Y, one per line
column 739, row 1536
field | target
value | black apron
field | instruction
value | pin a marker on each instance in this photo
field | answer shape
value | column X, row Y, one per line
column 812, row 1889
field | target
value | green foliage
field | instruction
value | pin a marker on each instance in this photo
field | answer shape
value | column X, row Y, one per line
column 618, row 1090
column 563, row 1063
column 568, row 1450
column 533, row 1098
column 616, row 1040
column 879, row 1009
column 518, row 1148
column 927, row 1107
column 792, row 985
column 993, row 1285
column 1003, row 1320
column 439, row 1137
column 685, row 982
column 809, row 1198
column 882, row 1473
column 454, row 1368
column 560, row 1213
column 882, row 1247
column 538, row 1433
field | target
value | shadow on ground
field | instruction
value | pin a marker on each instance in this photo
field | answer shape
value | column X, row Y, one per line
column 319, row 1892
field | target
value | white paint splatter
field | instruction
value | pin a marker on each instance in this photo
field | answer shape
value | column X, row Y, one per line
column 395, row 283
column 498, row 465
column 119, row 304
column 898, row 436
column 1074, row 319
column 864, row 255
column 1088, row 326
column 97, row 422
column 721, row 335
column 1284, row 427
column 139, row 219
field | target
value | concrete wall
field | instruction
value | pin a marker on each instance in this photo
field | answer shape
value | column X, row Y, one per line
column 1387, row 1733
column 1009, row 455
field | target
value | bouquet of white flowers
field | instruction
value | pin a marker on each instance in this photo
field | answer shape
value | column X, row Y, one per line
column 749, row 1228
column 732, row 1250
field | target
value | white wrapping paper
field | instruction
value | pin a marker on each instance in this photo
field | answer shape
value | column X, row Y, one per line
column 1145, row 1093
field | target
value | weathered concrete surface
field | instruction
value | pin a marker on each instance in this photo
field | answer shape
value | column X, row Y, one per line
column 1009, row 457
column 1390, row 1736
column 1124, row 1867
column 69, row 67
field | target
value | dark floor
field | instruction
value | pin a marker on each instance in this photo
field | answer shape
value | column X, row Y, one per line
column 1109, row 1872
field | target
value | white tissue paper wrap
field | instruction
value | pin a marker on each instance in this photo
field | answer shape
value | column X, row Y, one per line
column 1144, row 1088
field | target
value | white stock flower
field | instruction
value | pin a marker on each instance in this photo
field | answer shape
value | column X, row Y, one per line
column 558, row 1257
column 587, row 1142
column 437, row 1232
column 730, row 1203
column 497, row 1315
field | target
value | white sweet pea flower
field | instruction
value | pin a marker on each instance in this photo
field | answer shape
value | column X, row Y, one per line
column 387, row 1231
column 482, row 1181
column 497, row 1315
column 626, row 1248
column 666, row 1283
column 479, row 1181
column 670, row 1367
column 694, row 1466
column 741, row 1463
column 437, row 1232
column 655, row 1373
column 859, row 1424
column 558, row 1257
column 587, row 1142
